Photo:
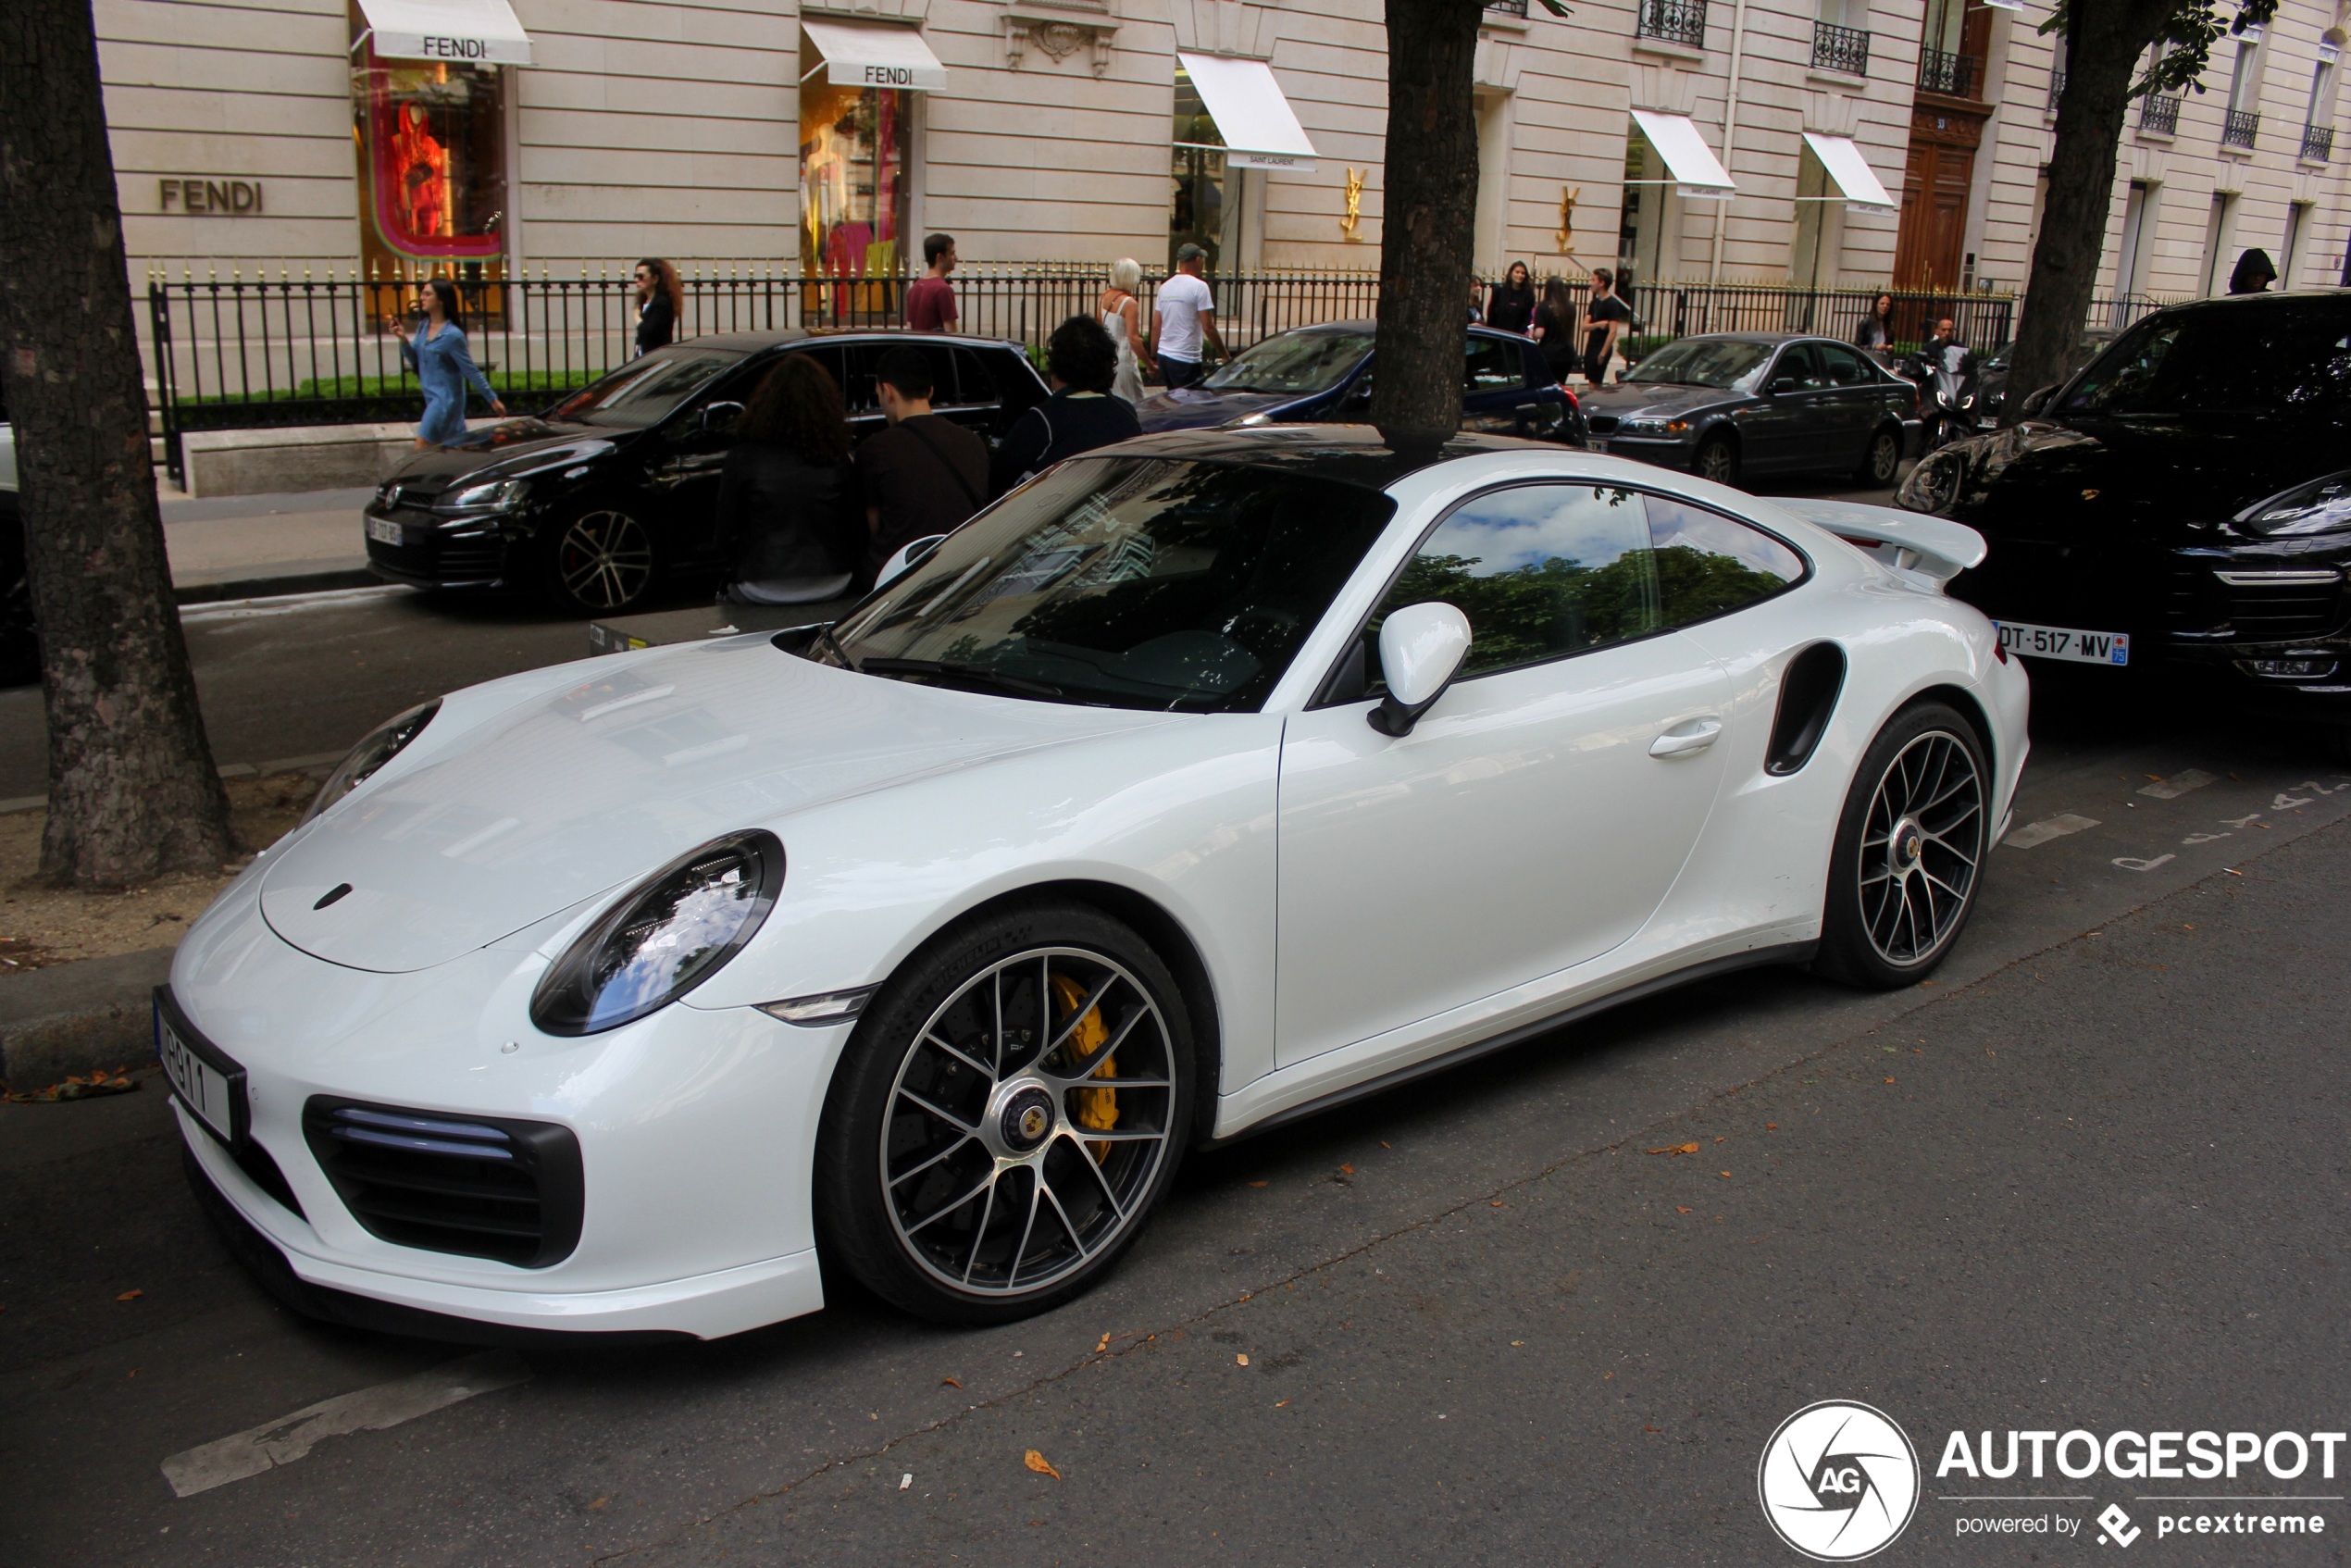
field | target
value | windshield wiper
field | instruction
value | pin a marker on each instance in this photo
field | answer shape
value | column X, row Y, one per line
column 945, row 670
column 825, row 634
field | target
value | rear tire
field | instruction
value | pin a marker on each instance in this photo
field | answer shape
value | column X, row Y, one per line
column 963, row 1174
column 1883, row 461
column 1718, row 459
column 1909, row 852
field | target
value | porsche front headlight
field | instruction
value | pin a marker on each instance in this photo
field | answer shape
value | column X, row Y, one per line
column 381, row 744
column 1933, row 485
column 2320, row 506
column 667, row 935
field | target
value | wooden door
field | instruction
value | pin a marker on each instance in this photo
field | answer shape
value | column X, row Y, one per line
column 1930, row 242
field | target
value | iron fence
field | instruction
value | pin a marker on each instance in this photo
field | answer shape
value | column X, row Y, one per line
column 244, row 353
column 2123, row 310
column 2318, row 144
column 2160, row 113
column 1838, row 48
column 1673, row 21
column 1951, row 75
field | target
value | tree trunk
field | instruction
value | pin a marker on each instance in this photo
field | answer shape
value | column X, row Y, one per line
column 1428, row 236
column 2103, row 47
column 133, row 790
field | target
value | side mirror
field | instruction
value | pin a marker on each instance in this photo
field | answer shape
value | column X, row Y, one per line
column 907, row 559
column 1781, row 384
column 719, row 418
column 1421, row 649
column 2033, row 404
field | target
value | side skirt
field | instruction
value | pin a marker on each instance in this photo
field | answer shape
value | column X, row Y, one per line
column 1756, row 958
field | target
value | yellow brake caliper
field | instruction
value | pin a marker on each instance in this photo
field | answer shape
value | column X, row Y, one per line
column 1096, row 1107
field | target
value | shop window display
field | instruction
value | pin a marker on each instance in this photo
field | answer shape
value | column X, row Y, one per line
column 853, row 180
column 432, row 141
column 1204, row 210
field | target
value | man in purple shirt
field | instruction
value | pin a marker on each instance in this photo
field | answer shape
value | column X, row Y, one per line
column 930, row 304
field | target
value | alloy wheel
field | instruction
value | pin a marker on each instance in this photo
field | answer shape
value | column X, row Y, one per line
column 1718, row 463
column 1920, row 848
column 1027, row 1121
column 604, row 560
column 1885, row 457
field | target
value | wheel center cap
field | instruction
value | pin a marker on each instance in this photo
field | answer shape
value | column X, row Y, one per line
column 1910, row 846
column 1027, row 1119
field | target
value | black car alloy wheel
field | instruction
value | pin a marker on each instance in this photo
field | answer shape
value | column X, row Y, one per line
column 1006, row 1119
column 1718, row 460
column 1908, row 852
column 604, row 561
column 1883, row 461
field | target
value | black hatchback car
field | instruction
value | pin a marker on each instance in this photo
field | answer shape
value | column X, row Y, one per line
column 598, row 499
column 1732, row 406
column 2184, row 499
column 1323, row 375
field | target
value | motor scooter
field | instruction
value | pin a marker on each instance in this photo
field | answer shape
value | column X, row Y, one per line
column 1946, row 381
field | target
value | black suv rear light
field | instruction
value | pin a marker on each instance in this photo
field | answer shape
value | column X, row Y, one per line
column 474, row 1186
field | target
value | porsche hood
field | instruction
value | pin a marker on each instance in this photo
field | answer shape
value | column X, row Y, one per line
column 567, row 796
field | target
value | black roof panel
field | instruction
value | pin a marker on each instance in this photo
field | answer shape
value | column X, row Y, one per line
column 1354, row 455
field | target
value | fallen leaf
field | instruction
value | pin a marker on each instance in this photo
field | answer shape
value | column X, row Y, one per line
column 1722, row 1174
column 1721, row 1140
column 1240, row 1360
column 1498, row 1203
column 1256, row 1184
column 599, row 1502
column 1279, row 1404
column 1676, row 1148
column 1679, row 1209
column 1384, row 1143
column 1652, row 1429
column 1102, row 1344
column 1347, row 1170
column 130, row 1295
column 1041, row 1464
column 1889, row 1080
column 949, row 1383
column 1771, row 1127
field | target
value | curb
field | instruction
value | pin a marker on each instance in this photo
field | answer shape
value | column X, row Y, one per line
column 275, row 587
column 79, row 1017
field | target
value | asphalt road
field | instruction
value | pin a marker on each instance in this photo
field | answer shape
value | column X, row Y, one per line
column 2093, row 1176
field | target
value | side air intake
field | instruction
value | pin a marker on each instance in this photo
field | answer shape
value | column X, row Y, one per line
column 1808, row 696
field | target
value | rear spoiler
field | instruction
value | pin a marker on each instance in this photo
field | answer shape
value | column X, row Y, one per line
column 1934, row 548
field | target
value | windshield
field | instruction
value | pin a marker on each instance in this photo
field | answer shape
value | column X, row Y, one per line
column 1132, row 582
column 1702, row 362
column 644, row 391
column 2294, row 361
column 1295, row 363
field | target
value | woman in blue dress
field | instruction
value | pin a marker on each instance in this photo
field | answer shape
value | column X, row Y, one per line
column 438, row 355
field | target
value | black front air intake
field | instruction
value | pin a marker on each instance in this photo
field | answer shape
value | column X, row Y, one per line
column 469, row 1185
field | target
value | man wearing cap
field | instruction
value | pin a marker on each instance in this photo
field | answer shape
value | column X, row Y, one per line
column 1184, row 312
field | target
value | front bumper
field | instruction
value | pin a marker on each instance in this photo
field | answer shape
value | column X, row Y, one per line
column 1666, row 451
column 443, row 552
column 696, row 1129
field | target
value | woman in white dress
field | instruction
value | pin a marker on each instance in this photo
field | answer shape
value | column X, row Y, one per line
column 1123, row 319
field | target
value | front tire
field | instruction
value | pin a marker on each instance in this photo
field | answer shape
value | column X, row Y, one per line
column 1718, row 459
column 604, row 562
column 1909, row 852
column 1883, row 461
column 1008, row 1115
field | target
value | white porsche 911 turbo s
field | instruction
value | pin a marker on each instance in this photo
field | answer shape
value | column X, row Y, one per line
column 1203, row 781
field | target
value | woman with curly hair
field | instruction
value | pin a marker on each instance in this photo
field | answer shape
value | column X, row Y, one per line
column 1081, row 362
column 661, row 301
column 788, row 496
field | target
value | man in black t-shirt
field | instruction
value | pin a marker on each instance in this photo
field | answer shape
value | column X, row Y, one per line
column 1605, row 318
column 924, row 474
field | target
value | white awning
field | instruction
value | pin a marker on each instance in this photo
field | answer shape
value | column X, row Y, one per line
column 1851, row 171
column 875, row 55
column 482, row 33
column 1251, row 113
column 1691, row 161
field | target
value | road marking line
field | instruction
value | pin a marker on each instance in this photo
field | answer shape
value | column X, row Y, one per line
column 290, row 1438
column 288, row 603
column 2129, row 864
column 2048, row 828
column 2179, row 784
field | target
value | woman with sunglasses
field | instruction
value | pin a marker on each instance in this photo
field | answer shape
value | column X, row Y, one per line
column 660, row 300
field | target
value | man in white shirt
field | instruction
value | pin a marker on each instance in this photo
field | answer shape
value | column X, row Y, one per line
column 1184, row 312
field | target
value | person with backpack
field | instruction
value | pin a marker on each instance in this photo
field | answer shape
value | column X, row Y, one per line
column 1082, row 363
column 922, row 475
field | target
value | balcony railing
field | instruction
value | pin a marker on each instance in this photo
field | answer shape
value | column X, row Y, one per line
column 1951, row 75
column 2057, row 87
column 2160, row 113
column 1838, row 48
column 2239, row 127
column 2317, row 142
column 1673, row 21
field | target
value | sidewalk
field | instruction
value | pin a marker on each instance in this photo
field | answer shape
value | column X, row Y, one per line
column 251, row 546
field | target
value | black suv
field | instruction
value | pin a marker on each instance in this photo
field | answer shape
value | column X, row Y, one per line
column 2184, row 499
column 599, row 498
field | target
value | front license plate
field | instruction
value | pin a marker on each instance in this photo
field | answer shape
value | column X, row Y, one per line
column 2065, row 642
column 206, row 1088
column 384, row 530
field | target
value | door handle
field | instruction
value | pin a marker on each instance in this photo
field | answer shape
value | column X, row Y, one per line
column 1689, row 736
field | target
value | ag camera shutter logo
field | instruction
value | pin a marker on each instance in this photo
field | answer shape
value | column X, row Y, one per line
column 1838, row 1481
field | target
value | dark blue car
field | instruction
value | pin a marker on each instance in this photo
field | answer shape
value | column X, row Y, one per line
column 1323, row 375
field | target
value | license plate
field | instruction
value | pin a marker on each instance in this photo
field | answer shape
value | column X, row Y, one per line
column 2065, row 642
column 205, row 1087
column 1596, row 443
column 384, row 530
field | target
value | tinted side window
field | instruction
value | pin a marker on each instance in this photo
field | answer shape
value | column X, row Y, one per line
column 2288, row 358
column 2126, row 377
column 1708, row 565
column 1799, row 361
column 857, row 384
column 1541, row 570
column 1845, row 368
column 973, row 383
column 1492, row 365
